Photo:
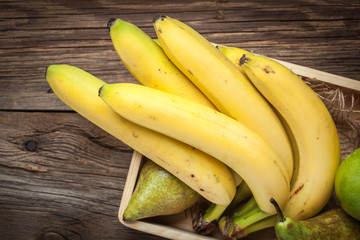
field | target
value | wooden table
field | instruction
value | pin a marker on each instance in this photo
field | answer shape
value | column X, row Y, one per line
column 61, row 177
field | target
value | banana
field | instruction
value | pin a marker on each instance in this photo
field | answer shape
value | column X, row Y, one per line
column 220, row 80
column 233, row 54
column 207, row 130
column 205, row 174
column 148, row 63
column 153, row 69
column 313, row 129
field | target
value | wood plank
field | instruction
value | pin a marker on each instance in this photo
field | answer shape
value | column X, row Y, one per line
column 64, row 176
column 325, row 36
column 61, row 177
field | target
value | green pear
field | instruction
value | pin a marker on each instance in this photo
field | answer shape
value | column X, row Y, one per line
column 333, row 224
column 158, row 192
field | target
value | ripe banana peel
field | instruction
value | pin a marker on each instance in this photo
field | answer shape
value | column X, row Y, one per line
column 233, row 54
column 205, row 174
column 153, row 69
column 187, row 135
column 312, row 127
column 148, row 63
column 220, row 80
column 207, row 130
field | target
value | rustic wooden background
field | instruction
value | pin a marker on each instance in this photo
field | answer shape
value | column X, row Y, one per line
column 61, row 177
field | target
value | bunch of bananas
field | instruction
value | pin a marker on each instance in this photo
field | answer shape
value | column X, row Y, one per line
column 219, row 118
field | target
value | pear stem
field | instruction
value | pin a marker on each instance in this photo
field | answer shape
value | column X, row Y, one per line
column 278, row 210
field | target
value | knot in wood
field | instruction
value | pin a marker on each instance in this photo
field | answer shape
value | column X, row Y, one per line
column 52, row 236
column 31, row 145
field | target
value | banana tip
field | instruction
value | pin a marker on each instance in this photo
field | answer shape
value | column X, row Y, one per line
column 159, row 17
column 243, row 59
column 111, row 22
column 46, row 70
column 100, row 89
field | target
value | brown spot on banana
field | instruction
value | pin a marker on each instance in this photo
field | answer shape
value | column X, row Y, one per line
column 297, row 190
column 301, row 212
column 152, row 117
column 268, row 69
column 135, row 135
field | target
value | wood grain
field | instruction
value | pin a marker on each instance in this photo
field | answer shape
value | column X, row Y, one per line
column 317, row 34
column 62, row 176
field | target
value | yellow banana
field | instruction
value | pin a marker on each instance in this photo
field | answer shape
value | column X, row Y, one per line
column 233, row 54
column 313, row 130
column 153, row 68
column 207, row 130
column 205, row 174
column 219, row 79
column 148, row 63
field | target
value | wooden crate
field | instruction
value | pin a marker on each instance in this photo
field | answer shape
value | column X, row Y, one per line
column 347, row 95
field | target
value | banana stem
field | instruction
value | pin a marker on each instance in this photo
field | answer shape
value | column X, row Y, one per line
column 205, row 222
column 243, row 192
column 249, row 206
column 249, row 214
column 213, row 212
column 248, row 219
column 224, row 224
column 226, row 220
column 260, row 225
